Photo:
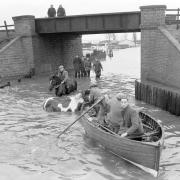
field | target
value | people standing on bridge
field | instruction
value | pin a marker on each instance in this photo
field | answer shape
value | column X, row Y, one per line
column 61, row 11
column 51, row 11
column 97, row 66
column 87, row 66
column 63, row 74
column 77, row 64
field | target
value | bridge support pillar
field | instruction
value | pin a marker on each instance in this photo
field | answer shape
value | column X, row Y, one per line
column 153, row 65
column 25, row 28
column 44, row 53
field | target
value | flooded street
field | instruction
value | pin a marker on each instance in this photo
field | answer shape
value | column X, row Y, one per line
column 30, row 150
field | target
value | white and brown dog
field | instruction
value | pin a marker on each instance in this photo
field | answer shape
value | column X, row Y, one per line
column 74, row 104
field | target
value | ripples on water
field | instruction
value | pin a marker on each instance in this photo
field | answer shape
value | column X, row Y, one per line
column 30, row 150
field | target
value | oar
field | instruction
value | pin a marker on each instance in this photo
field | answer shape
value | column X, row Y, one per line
column 79, row 117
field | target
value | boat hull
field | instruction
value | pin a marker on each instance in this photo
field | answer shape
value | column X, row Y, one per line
column 146, row 154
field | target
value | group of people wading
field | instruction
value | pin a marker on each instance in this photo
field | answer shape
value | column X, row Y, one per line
column 83, row 66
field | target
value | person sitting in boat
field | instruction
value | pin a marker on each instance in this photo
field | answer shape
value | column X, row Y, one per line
column 103, row 107
column 131, row 124
column 114, row 117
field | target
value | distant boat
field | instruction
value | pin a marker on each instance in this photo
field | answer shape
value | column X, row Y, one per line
column 98, row 54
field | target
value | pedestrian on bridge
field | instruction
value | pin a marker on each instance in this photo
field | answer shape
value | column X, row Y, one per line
column 51, row 11
column 61, row 11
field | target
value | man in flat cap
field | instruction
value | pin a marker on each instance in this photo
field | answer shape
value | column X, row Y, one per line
column 63, row 74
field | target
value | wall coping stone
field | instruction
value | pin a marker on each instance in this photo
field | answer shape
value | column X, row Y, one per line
column 154, row 7
column 24, row 17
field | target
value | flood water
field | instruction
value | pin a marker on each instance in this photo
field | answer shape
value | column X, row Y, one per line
column 30, row 150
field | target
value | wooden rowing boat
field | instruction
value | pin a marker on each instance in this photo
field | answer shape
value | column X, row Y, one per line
column 145, row 153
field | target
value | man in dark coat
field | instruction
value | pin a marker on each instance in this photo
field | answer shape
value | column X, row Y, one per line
column 82, row 68
column 97, row 68
column 87, row 66
column 77, row 64
column 131, row 123
column 61, row 11
column 51, row 11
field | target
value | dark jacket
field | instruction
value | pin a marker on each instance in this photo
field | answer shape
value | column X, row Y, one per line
column 77, row 63
column 61, row 12
column 97, row 66
column 87, row 65
column 51, row 12
column 131, row 121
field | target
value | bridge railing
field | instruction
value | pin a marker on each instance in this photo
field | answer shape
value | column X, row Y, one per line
column 5, row 27
column 173, row 17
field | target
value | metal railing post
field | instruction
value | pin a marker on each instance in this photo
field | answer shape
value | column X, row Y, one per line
column 177, row 19
column 5, row 24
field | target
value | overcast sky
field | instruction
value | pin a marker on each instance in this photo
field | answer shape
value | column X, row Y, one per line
column 10, row 8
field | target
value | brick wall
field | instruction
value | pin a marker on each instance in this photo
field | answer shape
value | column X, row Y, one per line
column 12, row 59
column 160, row 51
column 154, row 56
column 51, row 50
column 44, row 53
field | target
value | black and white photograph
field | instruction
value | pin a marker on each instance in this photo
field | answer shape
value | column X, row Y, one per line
column 90, row 90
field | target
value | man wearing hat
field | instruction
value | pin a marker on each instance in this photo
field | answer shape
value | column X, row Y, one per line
column 103, row 107
column 131, row 124
column 63, row 74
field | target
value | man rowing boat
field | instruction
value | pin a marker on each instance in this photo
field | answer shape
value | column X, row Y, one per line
column 102, row 108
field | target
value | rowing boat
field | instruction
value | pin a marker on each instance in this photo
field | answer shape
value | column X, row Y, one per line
column 145, row 153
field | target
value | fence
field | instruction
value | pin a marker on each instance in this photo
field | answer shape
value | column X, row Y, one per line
column 6, row 28
column 173, row 18
column 160, row 97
